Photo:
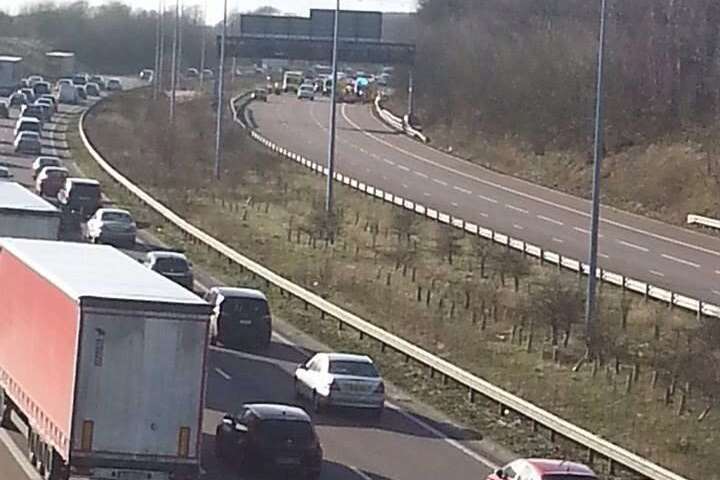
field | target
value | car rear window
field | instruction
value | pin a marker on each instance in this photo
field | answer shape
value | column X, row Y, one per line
column 245, row 307
column 277, row 432
column 171, row 265
column 116, row 217
column 358, row 369
column 567, row 476
column 85, row 190
column 30, row 126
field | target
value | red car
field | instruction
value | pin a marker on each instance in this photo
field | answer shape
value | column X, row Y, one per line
column 543, row 469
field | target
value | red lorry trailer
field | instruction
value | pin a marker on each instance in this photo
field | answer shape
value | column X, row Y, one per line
column 104, row 361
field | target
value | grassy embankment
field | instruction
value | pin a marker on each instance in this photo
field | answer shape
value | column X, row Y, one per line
column 267, row 208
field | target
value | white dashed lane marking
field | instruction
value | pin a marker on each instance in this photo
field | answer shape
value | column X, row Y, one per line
column 558, row 240
column 462, row 190
column 680, row 260
column 632, row 245
column 517, row 209
column 223, row 373
column 440, row 182
column 404, row 168
column 487, row 199
column 518, row 227
column 655, row 272
column 421, row 175
column 551, row 220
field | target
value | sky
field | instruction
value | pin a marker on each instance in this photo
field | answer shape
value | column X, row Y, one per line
column 214, row 7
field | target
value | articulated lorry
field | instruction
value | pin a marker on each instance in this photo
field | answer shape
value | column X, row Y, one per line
column 26, row 215
column 102, row 363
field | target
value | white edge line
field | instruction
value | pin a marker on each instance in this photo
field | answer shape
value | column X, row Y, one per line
column 19, row 456
column 360, row 473
column 440, row 435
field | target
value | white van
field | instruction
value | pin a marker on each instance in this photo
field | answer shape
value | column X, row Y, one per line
column 68, row 94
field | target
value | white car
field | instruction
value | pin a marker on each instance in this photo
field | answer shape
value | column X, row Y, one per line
column 113, row 226
column 27, row 124
column 28, row 142
column 307, row 91
column 45, row 161
column 341, row 379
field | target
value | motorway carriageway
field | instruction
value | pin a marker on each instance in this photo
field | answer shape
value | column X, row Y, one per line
column 401, row 446
column 651, row 251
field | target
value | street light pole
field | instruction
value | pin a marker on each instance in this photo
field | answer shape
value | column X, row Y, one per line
column 220, row 106
column 156, row 76
column 161, row 61
column 173, row 73
column 590, row 304
column 204, row 47
column 333, row 111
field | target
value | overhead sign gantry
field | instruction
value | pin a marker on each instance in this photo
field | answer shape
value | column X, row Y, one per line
column 311, row 38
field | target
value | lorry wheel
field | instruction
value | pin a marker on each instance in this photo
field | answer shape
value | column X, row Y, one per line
column 4, row 409
column 32, row 457
column 47, row 473
column 219, row 453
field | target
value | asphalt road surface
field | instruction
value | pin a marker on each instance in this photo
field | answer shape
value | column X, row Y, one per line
column 651, row 251
column 399, row 446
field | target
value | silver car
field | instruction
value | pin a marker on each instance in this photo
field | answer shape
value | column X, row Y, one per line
column 342, row 380
column 28, row 142
column 306, row 91
column 113, row 226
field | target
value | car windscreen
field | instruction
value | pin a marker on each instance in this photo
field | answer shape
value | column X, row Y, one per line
column 358, row 369
column 116, row 217
column 245, row 307
column 171, row 265
column 278, row 432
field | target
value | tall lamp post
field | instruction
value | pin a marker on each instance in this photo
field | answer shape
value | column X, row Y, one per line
column 333, row 111
column 220, row 100
column 173, row 74
column 590, row 304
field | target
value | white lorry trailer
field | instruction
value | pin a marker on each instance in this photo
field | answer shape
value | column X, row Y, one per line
column 102, row 363
column 24, row 214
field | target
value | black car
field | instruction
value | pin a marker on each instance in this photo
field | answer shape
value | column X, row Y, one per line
column 4, row 110
column 241, row 316
column 172, row 265
column 270, row 438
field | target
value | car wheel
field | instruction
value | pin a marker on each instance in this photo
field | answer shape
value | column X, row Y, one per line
column 377, row 412
column 317, row 406
column 219, row 451
column 296, row 386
